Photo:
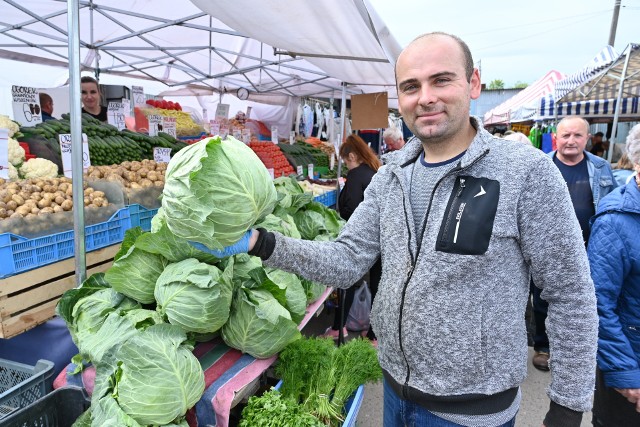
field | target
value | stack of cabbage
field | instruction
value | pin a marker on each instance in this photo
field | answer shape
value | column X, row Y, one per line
column 138, row 322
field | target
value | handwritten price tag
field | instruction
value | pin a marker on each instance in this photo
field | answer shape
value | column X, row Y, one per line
column 161, row 154
column 115, row 115
column 310, row 171
column 169, row 126
column 4, row 153
column 299, row 170
column 155, row 124
column 65, row 150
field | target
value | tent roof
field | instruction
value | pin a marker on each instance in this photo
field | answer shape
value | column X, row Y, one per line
column 531, row 94
column 603, row 59
column 605, row 86
column 177, row 43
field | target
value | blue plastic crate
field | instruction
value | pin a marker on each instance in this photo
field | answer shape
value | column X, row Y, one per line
column 352, row 407
column 21, row 385
column 141, row 216
column 20, row 254
column 328, row 198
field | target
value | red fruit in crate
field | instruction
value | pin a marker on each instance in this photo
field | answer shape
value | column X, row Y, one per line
column 171, row 105
column 178, row 106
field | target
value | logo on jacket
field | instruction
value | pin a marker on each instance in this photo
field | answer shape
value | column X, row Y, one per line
column 481, row 192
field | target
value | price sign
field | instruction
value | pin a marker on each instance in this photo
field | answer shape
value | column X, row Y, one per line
column 126, row 106
column 138, row 96
column 332, row 161
column 274, row 134
column 310, row 171
column 65, row 150
column 224, row 132
column 299, row 170
column 115, row 114
column 222, row 111
column 155, row 124
column 214, row 127
column 169, row 126
column 246, row 135
column 237, row 133
column 4, row 153
column 292, row 137
column 272, row 173
column 161, row 154
column 26, row 105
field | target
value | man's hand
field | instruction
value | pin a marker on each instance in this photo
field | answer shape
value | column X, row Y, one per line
column 244, row 245
column 632, row 395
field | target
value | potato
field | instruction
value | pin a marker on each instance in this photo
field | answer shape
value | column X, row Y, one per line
column 87, row 202
column 12, row 205
column 88, row 191
column 131, row 177
column 30, row 216
column 13, row 186
column 2, row 181
column 23, row 210
column 18, row 199
column 126, row 165
column 3, row 205
column 159, row 184
column 35, row 211
column 105, row 203
column 57, row 181
column 44, row 203
column 37, row 196
column 142, row 172
column 3, row 213
column 97, row 202
column 64, row 186
column 59, row 199
column 47, row 210
column 15, row 215
column 136, row 166
column 135, row 186
column 57, row 209
column 145, row 183
column 66, row 205
column 98, row 194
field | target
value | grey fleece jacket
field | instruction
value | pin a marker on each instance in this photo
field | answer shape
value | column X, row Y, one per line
column 449, row 315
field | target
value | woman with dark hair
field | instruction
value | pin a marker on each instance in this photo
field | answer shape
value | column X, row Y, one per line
column 91, row 99
column 362, row 163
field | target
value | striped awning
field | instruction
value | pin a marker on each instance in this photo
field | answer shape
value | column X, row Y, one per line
column 605, row 85
column 524, row 105
column 602, row 60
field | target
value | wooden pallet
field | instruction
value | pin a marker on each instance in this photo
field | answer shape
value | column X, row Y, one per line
column 30, row 298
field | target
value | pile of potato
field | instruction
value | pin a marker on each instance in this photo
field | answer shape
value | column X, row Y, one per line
column 134, row 175
column 33, row 197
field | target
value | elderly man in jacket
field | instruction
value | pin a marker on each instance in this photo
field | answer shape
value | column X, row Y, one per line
column 461, row 220
column 589, row 178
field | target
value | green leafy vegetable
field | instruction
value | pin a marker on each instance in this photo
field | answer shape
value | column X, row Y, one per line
column 194, row 295
column 92, row 284
column 272, row 410
column 215, row 191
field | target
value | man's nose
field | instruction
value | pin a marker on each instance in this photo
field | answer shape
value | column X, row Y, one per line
column 427, row 95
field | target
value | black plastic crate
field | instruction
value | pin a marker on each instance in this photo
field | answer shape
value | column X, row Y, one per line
column 60, row 408
column 21, row 384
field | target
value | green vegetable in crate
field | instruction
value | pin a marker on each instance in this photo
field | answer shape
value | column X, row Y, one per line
column 273, row 410
column 215, row 191
column 153, row 378
column 194, row 295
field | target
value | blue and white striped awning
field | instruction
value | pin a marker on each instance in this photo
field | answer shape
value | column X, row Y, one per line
column 602, row 60
column 599, row 108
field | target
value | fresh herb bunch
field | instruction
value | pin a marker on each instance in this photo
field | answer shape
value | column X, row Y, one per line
column 273, row 410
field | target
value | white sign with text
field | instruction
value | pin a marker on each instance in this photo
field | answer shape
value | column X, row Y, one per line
column 161, row 154
column 300, row 170
column 169, row 126
column 310, row 171
column 115, row 114
column 26, row 105
column 222, row 111
column 65, row 151
column 4, row 153
column 155, row 124
column 126, row 107
column 138, row 96
column 274, row 134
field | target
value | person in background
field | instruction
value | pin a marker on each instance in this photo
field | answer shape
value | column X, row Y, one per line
column 91, row 99
column 393, row 139
column 461, row 221
column 517, row 136
column 589, row 178
column 363, row 165
column 614, row 257
column 595, row 144
column 46, row 105
column 623, row 170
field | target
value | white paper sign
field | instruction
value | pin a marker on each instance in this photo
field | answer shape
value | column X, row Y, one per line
column 310, row 170
column 246, row 135
column 155, row 124
column 224, row 132
column 4, row 153
column 65, row 150
column 299, row 170
column 222, row 111
column 126, row 106
column 161, row 154
column 274, row 134
column 26, row 105
column 332, row 161
column 138, row 96
column 292, row 137
column 115, row 115
column 272, row 173
column 169, row 126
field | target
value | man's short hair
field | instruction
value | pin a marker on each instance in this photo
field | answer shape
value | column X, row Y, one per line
column 468, row 58
column 45, row 98
column 392, row 133
column 567, row 118
column 598, row 134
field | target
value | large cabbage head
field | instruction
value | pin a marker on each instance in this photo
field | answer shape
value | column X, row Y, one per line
column 215, row 191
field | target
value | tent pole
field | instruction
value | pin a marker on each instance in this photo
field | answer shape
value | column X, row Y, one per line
column 76, row 140
column 616, row 115
column 341, row 136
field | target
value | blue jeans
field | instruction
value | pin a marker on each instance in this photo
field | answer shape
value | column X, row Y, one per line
column 402, row 413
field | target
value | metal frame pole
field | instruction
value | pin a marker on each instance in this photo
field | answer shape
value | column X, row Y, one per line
column 341, row 135
column 616, row 114
column 76, row 139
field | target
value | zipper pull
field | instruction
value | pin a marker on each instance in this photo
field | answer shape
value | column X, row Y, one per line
column 461, row 187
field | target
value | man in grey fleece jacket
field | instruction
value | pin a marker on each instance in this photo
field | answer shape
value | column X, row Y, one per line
column 449, row 313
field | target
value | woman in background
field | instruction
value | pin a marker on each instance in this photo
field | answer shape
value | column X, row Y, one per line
column 91, row 99
column 362, row 163
column 614, row 257
column 623, row 170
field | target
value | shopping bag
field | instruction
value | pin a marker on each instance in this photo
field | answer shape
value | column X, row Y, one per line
column 358, row 318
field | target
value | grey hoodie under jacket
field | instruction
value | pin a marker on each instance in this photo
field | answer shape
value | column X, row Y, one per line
column 449, row 314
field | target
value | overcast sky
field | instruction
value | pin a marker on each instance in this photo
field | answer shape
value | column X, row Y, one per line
column 518, row 40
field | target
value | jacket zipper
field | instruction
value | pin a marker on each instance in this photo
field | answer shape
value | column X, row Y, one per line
column 461, row 181
column 415, row 260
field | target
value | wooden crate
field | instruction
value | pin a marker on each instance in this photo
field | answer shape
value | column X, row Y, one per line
column 30, row 298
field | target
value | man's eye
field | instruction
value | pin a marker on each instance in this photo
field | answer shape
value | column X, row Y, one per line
column 441, row 81
column 409, row 88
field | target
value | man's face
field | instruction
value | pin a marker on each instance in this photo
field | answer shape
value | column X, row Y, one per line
column 433, row 91
column 571, row 139
column 393, row 144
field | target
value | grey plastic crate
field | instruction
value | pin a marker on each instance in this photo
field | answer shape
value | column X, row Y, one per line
column 21, row 385
column 60, row 408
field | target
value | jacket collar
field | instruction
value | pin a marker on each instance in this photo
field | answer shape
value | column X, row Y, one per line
column 596, row 161
column 623, row 199
column 412, row 149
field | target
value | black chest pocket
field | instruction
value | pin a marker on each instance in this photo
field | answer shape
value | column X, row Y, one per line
column 468, row 221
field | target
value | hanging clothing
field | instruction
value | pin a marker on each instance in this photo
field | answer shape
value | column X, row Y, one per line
column 319, row 119
column 308, row 120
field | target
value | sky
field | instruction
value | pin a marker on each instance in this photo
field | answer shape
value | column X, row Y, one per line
column 518, row 41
